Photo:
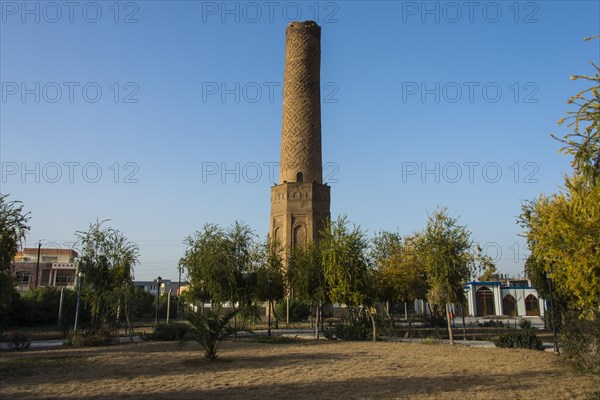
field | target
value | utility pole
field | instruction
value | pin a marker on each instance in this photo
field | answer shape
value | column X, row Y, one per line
column 179, row 292
column 37, row 266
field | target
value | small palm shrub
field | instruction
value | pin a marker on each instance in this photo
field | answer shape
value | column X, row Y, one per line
column 210, row 330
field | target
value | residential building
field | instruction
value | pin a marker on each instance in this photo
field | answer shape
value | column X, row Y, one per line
column 57, row 268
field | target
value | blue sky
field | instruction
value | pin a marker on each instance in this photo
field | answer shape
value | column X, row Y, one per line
column 163, row 116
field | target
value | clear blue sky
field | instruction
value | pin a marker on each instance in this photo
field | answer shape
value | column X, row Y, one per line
column 406, row 87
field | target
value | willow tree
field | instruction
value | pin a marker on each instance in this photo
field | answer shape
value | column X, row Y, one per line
column 306, row 276
column 220, row 263
column 107, row 259
column 445, row 251
column 13, row 227
column 400, row 273
column 346, row 267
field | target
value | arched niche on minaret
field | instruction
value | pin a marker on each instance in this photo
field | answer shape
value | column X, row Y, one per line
column 299, row 236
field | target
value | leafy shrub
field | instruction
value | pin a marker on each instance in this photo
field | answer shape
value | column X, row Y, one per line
column 525, row 323
column 492, row 323
column 521, row 339
column 171, row 331
column 299, row 311
column 435, row 321
column 580, row 341
column 346, row 330
column 18, row 341
column 99, row 337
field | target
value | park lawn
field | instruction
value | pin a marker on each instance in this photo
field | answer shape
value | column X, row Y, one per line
column 297, row 370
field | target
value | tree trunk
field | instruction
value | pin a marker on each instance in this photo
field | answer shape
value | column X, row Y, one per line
column 373, row 323
column 317, row 315
column 464, row 323
column 234, row 321
column 449, row 324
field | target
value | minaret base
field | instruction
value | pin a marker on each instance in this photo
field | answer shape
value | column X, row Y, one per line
column 299, row 211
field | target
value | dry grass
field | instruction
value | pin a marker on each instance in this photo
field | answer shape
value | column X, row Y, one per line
column 304, row 370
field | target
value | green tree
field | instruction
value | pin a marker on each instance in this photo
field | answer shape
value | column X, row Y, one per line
column 107, row 258
column 13, row 227
column 222, row 263
column 203, row 260
column 400, row 272
column 346, row 267
column 445, row 251
column 269, row 266
column 306, row 276
column 563, row 229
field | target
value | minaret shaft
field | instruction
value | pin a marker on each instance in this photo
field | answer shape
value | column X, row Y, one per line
column 301, row 124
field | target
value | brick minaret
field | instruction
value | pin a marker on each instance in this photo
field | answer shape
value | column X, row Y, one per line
column 300, row 202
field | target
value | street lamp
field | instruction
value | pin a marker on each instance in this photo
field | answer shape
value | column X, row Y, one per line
column 80, row 276
column 270, row 303
column 158, row 281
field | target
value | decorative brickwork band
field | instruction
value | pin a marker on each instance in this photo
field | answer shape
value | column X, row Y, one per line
column 301, row 126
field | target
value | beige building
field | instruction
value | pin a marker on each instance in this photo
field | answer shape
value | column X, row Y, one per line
column 57, row 268
column 300, row 202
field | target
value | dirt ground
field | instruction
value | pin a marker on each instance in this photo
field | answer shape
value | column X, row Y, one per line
column 303, row 370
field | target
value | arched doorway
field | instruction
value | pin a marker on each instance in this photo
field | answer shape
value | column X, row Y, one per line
column 485, row 302
column 532, row 306
column 509, row 306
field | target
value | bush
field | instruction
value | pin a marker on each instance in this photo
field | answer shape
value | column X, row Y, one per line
column 299, row 311
column 40, row 307
column 492, row 323
column 345, row 330
column 100, row 337
column 580, row 341
column 522, row 339
column 18, row 341
column 525, row 323
column 171, row 331
column 435, row 321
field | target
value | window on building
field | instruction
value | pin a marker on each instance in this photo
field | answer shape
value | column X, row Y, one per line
column 64, row 278
column 49, row 259
column 299, row 177
column 23, row 278
column 44, row 278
